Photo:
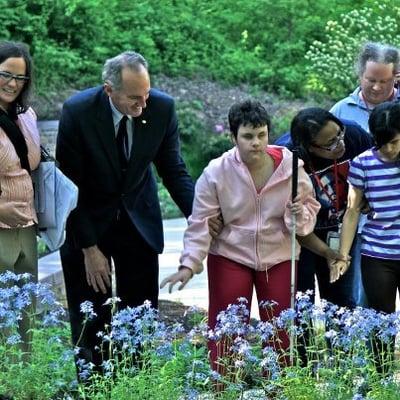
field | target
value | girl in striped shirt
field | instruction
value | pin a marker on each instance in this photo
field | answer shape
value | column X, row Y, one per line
column 375, row 174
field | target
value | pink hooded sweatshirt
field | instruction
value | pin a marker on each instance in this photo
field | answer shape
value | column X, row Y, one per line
column 257, row 226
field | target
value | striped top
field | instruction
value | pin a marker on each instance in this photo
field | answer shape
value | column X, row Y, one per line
column 15, row 182
column 380, row 182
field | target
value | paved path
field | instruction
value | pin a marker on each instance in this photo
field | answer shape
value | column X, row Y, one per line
column 195, row 292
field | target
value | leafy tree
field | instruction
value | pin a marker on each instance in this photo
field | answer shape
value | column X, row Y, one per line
column 261, row 42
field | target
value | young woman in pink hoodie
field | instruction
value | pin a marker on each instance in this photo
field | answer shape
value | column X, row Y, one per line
column 249, row 186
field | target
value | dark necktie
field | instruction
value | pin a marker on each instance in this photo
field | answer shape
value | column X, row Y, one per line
column 122, row 143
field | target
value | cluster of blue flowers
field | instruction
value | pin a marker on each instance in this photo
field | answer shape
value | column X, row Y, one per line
column 19, row 295
column 340, row 344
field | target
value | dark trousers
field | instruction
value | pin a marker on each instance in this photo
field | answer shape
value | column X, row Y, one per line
column 381, row 279
column 340, row 292
column 136, row 274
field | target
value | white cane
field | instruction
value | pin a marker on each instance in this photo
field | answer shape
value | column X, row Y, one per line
column 293, row 250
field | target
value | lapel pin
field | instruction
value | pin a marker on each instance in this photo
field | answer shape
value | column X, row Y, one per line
column 144, row 121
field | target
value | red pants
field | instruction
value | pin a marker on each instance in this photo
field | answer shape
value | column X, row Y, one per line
column 228, row 280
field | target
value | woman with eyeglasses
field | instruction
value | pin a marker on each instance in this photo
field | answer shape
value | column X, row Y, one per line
column 19, row 155
column 326, row 144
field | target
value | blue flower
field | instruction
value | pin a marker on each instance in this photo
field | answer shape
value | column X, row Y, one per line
column 14, row 339
column 85, row 369
column 87, row 309
column 286, row 318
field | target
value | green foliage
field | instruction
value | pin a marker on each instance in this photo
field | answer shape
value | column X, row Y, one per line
column 67, row 38
column 168, row 208
column 331, row 60
column 152, row 360
column 214, row 145
column 49, row 372
column 281, row 124
column 200, row 142
column 41, row 247
column 261, row 42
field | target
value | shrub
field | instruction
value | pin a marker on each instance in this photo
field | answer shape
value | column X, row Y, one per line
column 200, row 142
column 217, row 39
column 168, row 208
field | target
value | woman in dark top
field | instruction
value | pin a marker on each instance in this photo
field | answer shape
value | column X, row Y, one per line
column 326, row 145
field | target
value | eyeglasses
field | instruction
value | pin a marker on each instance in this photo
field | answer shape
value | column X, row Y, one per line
column 335, row 142
column 8, row 76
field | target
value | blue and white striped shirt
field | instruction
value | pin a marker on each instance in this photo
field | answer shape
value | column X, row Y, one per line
column 380, row 182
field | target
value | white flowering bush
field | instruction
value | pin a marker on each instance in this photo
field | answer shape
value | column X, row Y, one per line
column 331, row 62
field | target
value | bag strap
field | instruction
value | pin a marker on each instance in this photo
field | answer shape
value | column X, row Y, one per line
column 45, row 154
column 16, row 138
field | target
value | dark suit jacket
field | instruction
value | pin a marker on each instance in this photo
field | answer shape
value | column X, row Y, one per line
column 87, row 153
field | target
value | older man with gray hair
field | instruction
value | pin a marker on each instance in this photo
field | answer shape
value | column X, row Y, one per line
column 377, row 66
column 109, row 138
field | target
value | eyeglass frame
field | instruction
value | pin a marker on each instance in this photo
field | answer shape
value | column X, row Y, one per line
column 333, row 146
column 8, row 77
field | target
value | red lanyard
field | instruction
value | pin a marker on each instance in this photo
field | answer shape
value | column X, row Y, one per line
column 334, row 198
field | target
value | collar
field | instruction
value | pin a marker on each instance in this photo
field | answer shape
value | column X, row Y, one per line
column 370, row 107
column 354, row 98
column 116, row 114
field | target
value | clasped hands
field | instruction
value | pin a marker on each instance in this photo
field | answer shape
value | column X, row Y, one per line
column 338, row 265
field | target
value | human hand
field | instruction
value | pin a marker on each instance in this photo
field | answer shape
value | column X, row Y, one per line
column 295, row 206
column 215, row 225
column 11, row 213
column 334, row 272
column 98, row 271
column 183, row 275
column 338, row 267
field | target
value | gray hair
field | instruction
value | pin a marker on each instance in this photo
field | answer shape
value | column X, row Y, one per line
column 379, row 53
column 113, row 67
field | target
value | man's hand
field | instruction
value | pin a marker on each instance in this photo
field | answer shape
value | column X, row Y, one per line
column 98, row 271
column 183, row 275
column 215, row 225
column 11, row 214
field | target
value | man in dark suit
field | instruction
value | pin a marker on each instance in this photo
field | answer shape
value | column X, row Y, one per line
column 109, row 137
